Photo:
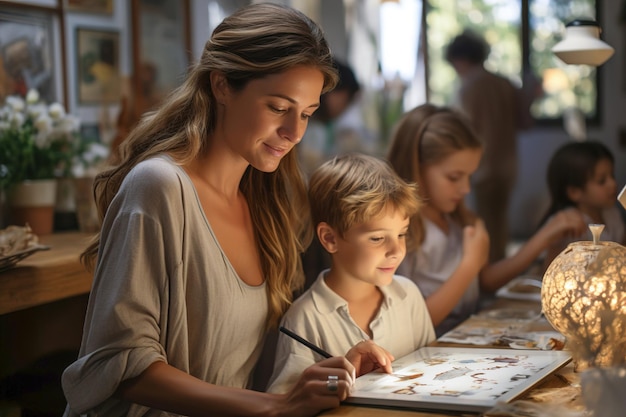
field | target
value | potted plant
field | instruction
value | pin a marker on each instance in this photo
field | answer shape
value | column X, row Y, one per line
column 37, row 145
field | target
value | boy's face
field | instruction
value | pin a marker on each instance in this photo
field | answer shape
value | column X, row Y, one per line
column 370, row 252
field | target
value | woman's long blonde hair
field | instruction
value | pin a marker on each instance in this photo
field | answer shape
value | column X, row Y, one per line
column 424, row 136
column 256, row 41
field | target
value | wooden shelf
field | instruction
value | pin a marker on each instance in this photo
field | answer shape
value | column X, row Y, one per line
column 47, row 276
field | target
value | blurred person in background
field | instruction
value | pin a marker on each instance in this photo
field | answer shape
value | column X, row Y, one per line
column 496, row 109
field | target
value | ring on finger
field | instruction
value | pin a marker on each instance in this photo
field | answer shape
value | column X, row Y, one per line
column 332, row 383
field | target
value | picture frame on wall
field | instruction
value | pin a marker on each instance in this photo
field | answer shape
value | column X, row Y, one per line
column 89, row 6
column 161, row 50
column 30, row 54
column 98, row 66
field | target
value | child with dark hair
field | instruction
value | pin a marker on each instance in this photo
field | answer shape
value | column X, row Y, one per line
column 580, row 175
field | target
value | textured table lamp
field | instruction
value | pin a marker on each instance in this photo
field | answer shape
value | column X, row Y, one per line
column 583, row 295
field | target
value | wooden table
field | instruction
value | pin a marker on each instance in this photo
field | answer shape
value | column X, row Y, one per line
column 43, row 300
column 46, row 276
column 42, row 308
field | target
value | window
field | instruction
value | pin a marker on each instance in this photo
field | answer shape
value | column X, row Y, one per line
column 521, row 34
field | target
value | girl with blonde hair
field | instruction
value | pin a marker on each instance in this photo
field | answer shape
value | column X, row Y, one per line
column 448, row 249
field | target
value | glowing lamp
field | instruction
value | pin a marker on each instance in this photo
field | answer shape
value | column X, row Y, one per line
column 582, row 44
column 583, row 296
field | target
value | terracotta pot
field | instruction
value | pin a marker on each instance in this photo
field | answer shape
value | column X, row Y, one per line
column 32, row 202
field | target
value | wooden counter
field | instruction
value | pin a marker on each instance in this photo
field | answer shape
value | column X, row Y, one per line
column 46, row 276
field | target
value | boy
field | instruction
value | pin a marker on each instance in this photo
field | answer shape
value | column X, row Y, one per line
column 361, row 210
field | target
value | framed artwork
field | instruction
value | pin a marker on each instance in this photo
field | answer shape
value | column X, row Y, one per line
column 161, row 50
column 30, row 54
column 98, row 73
column 457, row 379
column 90, row 6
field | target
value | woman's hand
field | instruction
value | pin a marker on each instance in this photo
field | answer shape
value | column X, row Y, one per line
column 318, row 389
column 327, row 383
column 367, row 356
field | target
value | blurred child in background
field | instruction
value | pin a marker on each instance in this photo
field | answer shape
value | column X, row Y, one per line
column 581, row 177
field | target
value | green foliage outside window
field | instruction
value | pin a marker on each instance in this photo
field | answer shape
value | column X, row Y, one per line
column 500, row 22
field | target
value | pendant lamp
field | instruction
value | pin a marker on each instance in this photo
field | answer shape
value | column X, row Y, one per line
column 582, row 44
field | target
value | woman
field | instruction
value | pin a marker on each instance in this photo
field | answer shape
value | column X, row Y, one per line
column 203, row 227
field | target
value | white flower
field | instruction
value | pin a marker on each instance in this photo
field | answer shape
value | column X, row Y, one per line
column 16, row 103
column 69, row 124
column 91, row 162
column 43, row 124
column 35, row 110
column 32, row 96
column 96, row 152
column 56, row 110
column 50, row 133
column 16, row 120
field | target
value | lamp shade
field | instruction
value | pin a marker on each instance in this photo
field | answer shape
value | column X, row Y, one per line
column 582, row 44
column 583, row 296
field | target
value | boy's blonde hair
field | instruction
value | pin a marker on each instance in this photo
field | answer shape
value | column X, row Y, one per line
column 354, row 188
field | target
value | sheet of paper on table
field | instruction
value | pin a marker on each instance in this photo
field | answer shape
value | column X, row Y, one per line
column 525, row 287
column 514, row 328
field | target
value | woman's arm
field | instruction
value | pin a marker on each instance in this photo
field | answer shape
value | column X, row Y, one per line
column 164, row 387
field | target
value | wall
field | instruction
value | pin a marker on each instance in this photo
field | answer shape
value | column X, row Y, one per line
column 535, row 145
column 118, row 21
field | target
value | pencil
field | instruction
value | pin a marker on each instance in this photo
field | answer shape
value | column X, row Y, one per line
column 305, row 342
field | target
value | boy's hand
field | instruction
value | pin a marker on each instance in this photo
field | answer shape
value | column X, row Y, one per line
column 367, row 356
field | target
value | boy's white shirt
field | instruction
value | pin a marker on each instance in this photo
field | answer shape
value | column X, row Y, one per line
column 321, row 316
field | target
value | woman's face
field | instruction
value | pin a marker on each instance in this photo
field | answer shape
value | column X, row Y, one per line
column 265, row 120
